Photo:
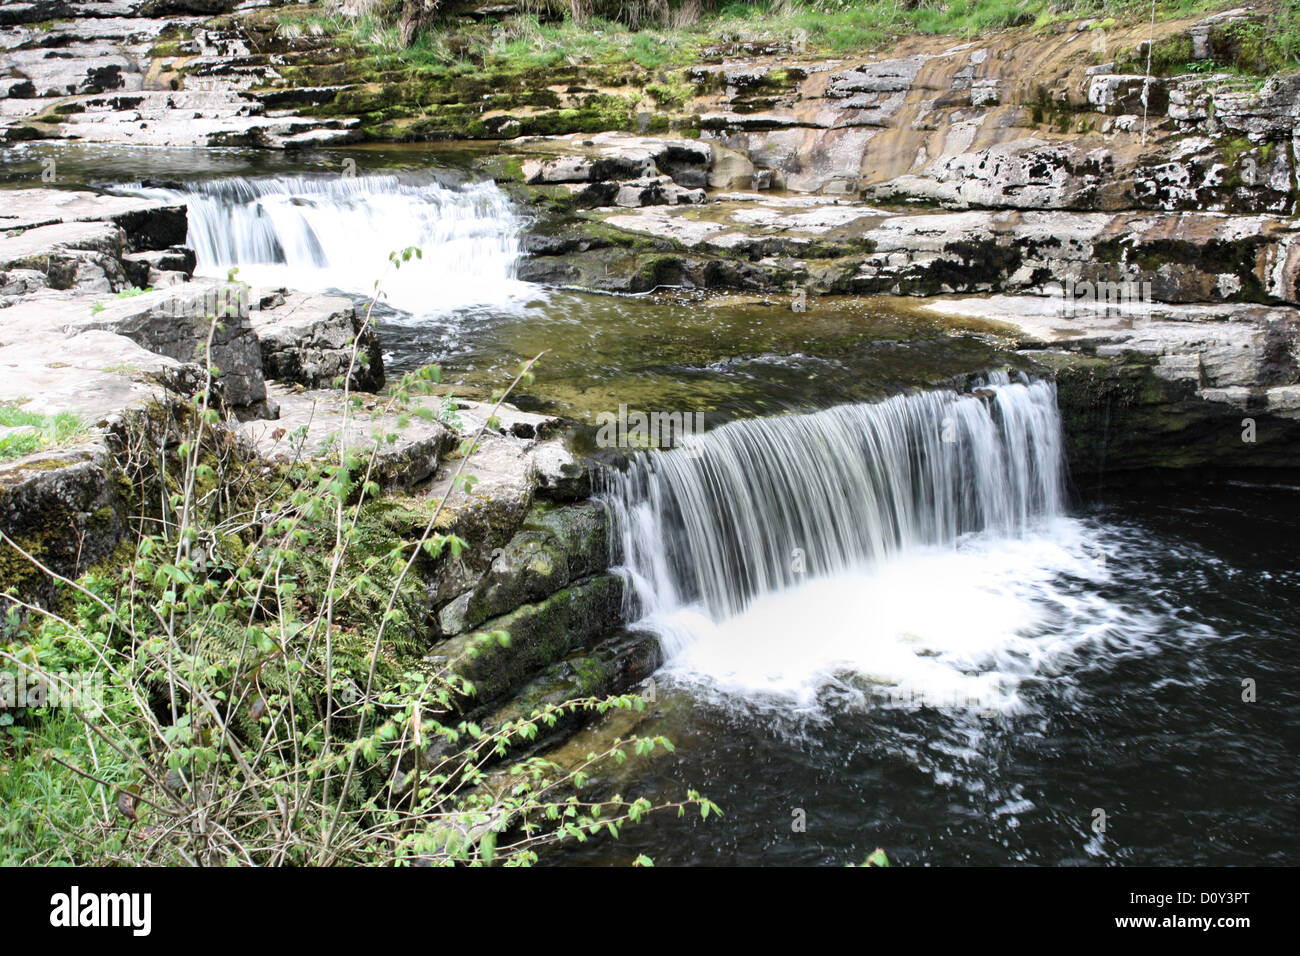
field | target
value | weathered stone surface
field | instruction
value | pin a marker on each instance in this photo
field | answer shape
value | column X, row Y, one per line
column 491, row 506
column 1122, row 418
column 1088, row 173
column 1163, row 387
column 195, row 321
column 16, row 283
column 95, row 375
column 308, row 340
column 63, row 509
column 148, row 224
column 318, row 424
column 197, row 118
column 1212, row 347
column 1186, row 257
column 86, row 256
column 93, row 79
column 159, row 268
column 618, row 156
column 613, row 169
column 561, row 475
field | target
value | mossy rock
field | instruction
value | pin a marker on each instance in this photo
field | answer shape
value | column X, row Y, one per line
column 66, row 511
column 541, row 634
column 555, row 546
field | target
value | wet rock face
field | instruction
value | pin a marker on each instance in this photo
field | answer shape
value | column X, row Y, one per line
column 1160, row 388
column 555, row 547
column 541, row 634
column 1124, row 421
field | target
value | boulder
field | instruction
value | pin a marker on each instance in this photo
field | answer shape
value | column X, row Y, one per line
column 64, row 510
column 315, row 425
column 541, row 634
column 183, row 322
column 308, row 340
column 554, row 547
column 86, row 256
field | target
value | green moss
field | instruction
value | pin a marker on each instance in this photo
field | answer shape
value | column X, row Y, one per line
column 18, row 573
column 540, row 635
column 671, row 95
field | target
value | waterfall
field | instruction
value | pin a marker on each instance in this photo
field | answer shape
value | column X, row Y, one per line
column 318, row 233
column 784, row 549
column 760, row 505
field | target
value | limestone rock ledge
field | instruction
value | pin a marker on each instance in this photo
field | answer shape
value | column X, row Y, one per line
column 1165, row 390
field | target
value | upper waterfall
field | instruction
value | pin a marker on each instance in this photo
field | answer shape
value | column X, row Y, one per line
column 761, row 505
column 336, row 232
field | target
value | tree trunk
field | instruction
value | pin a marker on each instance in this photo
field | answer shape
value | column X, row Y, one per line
column 416, row 15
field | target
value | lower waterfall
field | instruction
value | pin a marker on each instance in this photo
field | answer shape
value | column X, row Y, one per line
column 916, row 544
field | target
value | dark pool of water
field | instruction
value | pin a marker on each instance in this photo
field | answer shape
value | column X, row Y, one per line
column 1150, row 727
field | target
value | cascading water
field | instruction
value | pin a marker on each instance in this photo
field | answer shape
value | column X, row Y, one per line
column 914, row 543
column 316, row 233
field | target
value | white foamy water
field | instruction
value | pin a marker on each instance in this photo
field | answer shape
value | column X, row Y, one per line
column 320, row 233
column 958, row 627
column 912, row 552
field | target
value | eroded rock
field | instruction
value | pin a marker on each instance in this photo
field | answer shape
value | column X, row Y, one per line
column 318, row 341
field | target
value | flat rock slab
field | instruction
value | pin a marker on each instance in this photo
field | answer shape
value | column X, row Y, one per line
column 229, row 118
column 94, row 375
column 316, row 425
column 1241, row 354
column 739, row 222
column 148, row 223
column 71, row 255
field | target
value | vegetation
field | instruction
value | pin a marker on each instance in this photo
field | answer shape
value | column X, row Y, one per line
column 662, row 33
column 35, row 432
column 251, row 688
column 1250, row 49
